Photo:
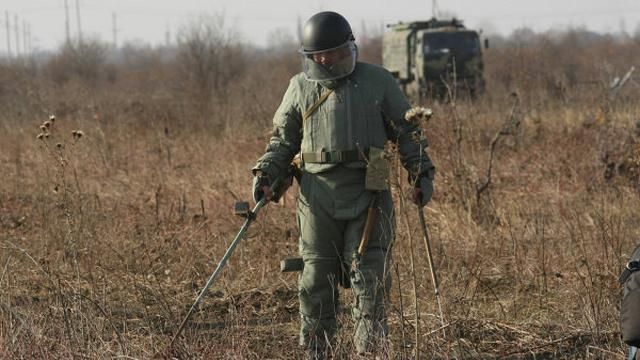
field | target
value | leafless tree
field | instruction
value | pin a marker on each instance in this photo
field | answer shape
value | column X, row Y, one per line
column 210, row 57
column 83, row 60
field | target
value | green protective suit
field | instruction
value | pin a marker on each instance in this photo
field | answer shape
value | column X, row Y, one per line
column 365, row 110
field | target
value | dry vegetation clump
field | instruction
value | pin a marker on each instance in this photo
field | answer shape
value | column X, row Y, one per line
column 107, row 237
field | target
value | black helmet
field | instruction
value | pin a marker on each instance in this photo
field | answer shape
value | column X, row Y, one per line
column 328, row 33
column 325, row 30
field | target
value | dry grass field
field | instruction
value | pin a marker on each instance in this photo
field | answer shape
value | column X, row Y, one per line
column 107, row 237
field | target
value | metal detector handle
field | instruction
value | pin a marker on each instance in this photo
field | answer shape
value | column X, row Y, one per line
column 434, row 275
column 372, row 213
column 227, row 254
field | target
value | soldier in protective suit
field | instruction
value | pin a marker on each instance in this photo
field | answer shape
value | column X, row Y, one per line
column 335, row 113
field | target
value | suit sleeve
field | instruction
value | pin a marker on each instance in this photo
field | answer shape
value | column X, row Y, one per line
column 408, row 136
column 285, row 139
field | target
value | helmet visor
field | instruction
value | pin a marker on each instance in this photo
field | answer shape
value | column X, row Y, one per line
column 330, row 64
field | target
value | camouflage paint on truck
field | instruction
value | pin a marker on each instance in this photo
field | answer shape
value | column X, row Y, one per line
column 425, row 56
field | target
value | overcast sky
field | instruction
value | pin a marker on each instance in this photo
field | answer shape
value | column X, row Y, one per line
column 150, row 20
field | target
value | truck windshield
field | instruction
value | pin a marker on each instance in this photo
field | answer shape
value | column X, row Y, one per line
column 455, row 42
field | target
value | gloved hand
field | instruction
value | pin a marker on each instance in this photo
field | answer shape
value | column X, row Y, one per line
column 261, row 187
column 423, row 191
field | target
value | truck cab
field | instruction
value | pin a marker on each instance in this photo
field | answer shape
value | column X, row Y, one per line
column 431, row 58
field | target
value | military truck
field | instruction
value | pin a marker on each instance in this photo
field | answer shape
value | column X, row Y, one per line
column 430, row 57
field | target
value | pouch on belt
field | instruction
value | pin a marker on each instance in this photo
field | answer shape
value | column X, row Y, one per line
column 377, row 178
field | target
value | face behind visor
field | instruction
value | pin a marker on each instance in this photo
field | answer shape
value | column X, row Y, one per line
column 330, row 64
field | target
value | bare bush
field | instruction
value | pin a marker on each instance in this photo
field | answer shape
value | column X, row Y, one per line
column 210, row 56
column 83, row 60
column 572, row 65
column 369, row 41
column 19, row 91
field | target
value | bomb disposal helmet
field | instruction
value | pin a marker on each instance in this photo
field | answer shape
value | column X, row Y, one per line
column 328, row 47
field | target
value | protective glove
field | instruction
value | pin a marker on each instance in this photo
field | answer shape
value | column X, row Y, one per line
column 261, row 187
column 423, row 191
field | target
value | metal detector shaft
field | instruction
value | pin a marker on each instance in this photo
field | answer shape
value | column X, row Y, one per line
column 250, row 218
column 434, row 275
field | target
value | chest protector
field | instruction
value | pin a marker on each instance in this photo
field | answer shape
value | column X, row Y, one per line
column 345, row 125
